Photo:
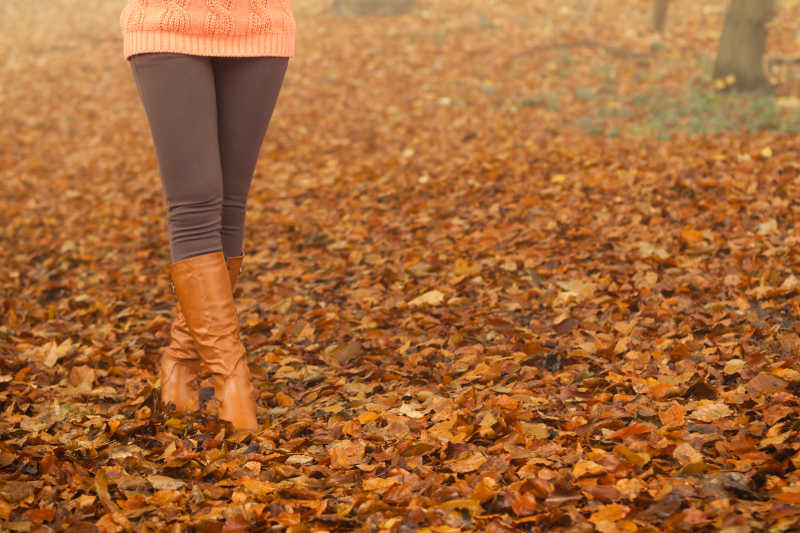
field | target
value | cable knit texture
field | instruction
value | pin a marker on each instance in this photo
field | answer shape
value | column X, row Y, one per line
column 221, row 28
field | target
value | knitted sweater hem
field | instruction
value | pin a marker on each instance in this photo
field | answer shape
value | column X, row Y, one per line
column 253, row 45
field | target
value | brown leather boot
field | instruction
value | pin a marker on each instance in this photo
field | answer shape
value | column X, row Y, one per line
column 204, row 291
column 180, row 362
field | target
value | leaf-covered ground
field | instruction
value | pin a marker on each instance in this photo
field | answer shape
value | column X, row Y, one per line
column 511, row 266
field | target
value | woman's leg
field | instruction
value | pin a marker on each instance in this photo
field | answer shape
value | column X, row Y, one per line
column 246, row 91
column 179, row 96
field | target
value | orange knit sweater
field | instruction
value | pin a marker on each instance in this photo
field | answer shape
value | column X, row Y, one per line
column 232, row 28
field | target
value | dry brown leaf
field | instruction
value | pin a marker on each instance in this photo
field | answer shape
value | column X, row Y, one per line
column 686, row 454
column 710, row 411
column 346, row 453
column 433, row 297
column 467, row 463
column 587, row 468
column 674, row 416
column 159, row 482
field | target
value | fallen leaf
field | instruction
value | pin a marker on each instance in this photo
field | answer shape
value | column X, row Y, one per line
column 346, row 453
column 674, row 416
column 708, row 411
column 609, row 513
column 467, row 463
column 299, row 460
column 686, row 454
column 636, row 458
column 101, row 489
column 433, row 297
column 767, row 227
column 81, row 375
column 485, row 489
column 734, row 366
column 765, row 383
column 461, row 503
column 788, row 102
column 159, row 482
column 587, row 468
column 691, row 236
column 378, row 484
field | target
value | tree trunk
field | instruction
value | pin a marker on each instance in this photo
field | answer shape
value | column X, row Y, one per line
column 660, row 15
column 744, row 38
column 371, row 7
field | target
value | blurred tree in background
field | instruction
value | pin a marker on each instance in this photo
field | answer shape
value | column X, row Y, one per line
column 371, row 7
column 660, row 9
column 740, row 57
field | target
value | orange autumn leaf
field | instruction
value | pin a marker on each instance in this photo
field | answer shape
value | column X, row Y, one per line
column 467, row 463
column 691, row 235
column 609, row 513
column 346, row 453
column 587, row 468
column 674, row 416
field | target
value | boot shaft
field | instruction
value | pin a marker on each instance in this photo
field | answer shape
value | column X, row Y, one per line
column 203, row 287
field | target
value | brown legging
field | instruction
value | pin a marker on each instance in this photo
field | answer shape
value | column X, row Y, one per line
column 208, row 117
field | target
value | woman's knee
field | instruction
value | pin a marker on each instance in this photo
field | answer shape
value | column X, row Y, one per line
column 200, row 211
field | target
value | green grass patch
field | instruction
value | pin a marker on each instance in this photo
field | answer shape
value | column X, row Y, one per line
column 696, row 111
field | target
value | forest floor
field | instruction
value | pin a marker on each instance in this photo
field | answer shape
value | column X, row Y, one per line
column 514, row 267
